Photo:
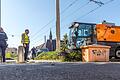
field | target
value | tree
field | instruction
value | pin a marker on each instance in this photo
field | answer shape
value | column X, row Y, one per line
column 64, row 45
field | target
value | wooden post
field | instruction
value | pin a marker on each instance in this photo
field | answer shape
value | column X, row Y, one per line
column 21, row 54
column 57, row 25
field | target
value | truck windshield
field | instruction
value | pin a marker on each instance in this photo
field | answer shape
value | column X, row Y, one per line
column 84, row 30
column 81, row 35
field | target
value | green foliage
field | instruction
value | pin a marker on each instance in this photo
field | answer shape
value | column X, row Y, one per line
column 64, row 45
column 0, row 58
column 53, row 55
column 11, row 55
column 62, row 56
column 8, row 55
column 72, row 56
column 14, row 56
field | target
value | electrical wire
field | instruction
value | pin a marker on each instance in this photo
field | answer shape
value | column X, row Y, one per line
column 43, row 28
column 69, row 6
column 94, row 10
column 80, row 8
column 76, row 10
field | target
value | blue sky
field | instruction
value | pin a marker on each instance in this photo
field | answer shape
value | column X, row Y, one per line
column 18, row 15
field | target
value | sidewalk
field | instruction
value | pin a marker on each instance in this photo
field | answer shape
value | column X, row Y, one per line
column 57, row 61
column 33, row 61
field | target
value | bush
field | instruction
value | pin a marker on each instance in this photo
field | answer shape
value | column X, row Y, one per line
column 53, row 55
column 8, row 55
column 11, row 56
column 71, row 56
column 14, row 56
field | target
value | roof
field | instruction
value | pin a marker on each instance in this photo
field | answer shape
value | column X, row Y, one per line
column 81, row 23
column 41, row 46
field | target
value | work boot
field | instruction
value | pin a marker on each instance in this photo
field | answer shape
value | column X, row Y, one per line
column 26, row 61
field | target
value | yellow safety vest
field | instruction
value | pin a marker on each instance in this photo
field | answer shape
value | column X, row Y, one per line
column 26, row 38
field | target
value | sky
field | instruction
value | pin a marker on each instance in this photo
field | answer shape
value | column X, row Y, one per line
column 39, row 16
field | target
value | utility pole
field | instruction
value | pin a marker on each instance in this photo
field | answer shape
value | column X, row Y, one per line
column 57, row 25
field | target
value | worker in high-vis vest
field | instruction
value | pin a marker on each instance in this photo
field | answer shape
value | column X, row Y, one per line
column 26, row 41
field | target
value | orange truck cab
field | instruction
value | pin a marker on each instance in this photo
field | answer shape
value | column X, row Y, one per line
column 109, row 34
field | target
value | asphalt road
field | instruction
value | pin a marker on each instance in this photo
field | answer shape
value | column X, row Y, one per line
column 60, row 71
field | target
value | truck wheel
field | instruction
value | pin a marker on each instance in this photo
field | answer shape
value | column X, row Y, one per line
column 117, row 54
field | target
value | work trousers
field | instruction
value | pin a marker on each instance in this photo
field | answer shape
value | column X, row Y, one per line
column 33, row 55
column 26, row 52
column 3, row 48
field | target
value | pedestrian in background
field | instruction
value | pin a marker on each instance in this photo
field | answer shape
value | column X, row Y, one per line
column 3, row 43
column 26, row 41
column 33, row 52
